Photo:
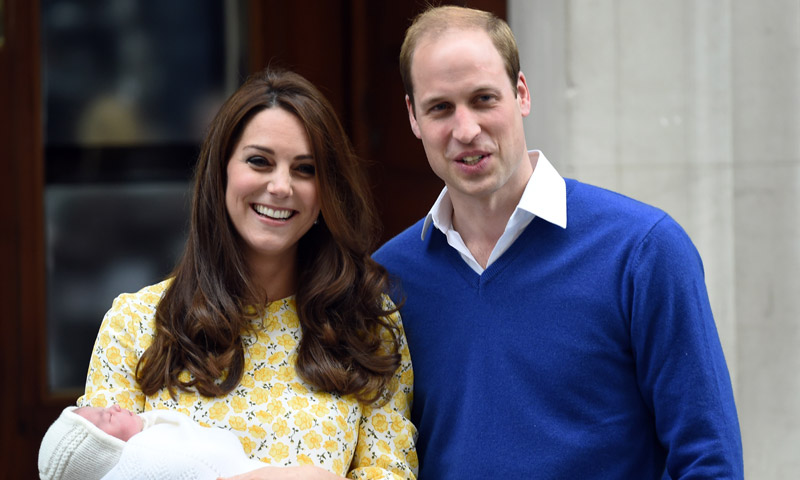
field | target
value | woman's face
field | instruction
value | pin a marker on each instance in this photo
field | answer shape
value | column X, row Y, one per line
column 271, row 194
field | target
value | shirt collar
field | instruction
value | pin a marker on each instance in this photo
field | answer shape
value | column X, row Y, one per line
column 545, row 196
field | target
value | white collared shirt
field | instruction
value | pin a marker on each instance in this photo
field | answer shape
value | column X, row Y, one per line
column 545, row 196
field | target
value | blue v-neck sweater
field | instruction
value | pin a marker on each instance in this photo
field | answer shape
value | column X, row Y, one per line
column 585, row 352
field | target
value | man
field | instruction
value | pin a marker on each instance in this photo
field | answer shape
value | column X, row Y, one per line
column 557, row 330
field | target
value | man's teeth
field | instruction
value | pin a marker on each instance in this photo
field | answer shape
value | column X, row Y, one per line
column 277, row 214
column 471, row 160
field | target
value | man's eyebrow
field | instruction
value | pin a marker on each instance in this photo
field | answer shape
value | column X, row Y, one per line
column 486, row 89
column 427, row 102
column 483, row 89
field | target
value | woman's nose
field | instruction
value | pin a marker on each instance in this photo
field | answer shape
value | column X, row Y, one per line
column 280, row 183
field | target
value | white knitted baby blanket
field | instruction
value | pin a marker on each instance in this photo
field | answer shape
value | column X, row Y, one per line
column 172, row 446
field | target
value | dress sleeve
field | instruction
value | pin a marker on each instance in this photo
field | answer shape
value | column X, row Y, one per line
column 681, row 368
column 126, row 331
column 386, row 436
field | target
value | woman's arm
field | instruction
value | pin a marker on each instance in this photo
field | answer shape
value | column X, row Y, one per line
column 386, row 436
column 385, row 447
column 125, row 333
column 306, row 472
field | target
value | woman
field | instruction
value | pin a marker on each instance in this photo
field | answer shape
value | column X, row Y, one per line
column 274, row 323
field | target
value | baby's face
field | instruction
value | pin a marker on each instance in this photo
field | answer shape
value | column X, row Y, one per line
column 114, row 420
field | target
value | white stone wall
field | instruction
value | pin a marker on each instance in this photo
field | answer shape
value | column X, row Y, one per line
column 693, row 106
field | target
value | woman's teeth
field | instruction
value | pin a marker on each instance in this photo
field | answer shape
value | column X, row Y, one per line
column 269, row 212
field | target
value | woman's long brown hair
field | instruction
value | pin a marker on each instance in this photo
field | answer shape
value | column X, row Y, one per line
column 202, row 315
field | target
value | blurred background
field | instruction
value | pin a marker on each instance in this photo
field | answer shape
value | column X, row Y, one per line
column 693, row 106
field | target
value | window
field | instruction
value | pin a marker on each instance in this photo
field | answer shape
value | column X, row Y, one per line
column 129, row 87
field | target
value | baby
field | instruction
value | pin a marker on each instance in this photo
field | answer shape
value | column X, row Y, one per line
column 92, row 443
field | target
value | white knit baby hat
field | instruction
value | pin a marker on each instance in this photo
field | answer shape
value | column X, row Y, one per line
column 73, row 448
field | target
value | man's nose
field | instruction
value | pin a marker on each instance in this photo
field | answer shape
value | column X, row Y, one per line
column 466, row 126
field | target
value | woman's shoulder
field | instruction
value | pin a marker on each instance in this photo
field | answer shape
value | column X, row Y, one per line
column 149, row 295
column 386, row 302
column 389, row 306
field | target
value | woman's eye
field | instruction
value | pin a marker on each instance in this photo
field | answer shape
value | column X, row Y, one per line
column 257, row 161
column 307, row 169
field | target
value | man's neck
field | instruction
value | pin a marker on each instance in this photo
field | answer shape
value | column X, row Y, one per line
column 480, row 226
column 481, row 221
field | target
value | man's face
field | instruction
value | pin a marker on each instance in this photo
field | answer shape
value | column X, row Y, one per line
column 469, row 116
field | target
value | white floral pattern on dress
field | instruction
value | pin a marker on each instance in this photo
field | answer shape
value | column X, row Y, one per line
column 279, row 419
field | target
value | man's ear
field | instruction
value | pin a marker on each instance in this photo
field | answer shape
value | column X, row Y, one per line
column 523, row 95
column 412, row 119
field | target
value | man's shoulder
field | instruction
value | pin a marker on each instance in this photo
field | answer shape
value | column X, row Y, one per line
column 596, row 209
column 585, row 198
column 404, row 243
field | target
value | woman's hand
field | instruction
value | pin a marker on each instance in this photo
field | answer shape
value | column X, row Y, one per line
column 306, row 472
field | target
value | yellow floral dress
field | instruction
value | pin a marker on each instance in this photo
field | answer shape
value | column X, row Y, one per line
column 279, row 419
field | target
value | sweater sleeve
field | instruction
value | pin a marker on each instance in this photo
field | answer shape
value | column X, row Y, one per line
column 386, row 437
column 126, row 331
column 680, row 363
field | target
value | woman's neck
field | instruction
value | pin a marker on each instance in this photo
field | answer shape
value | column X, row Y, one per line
column 276, row 278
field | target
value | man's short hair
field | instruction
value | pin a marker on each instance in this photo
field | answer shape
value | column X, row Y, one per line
column 435, row 21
